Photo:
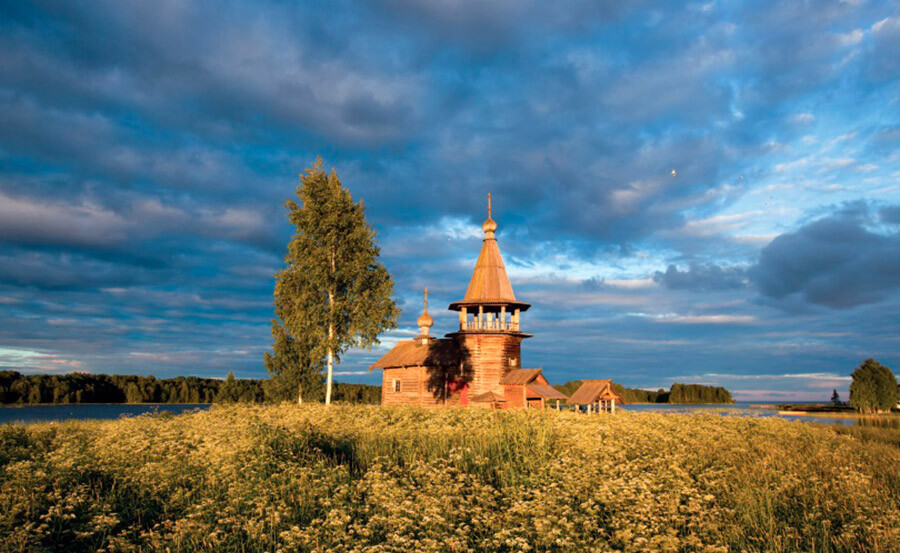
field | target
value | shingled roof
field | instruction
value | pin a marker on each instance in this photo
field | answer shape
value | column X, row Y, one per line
column 488, row 396
column 520, row 376
column 545, row 391
column 411, row 353
column 593, row 390
column 489, row 284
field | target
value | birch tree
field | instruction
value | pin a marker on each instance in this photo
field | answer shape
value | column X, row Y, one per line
column 334, row 293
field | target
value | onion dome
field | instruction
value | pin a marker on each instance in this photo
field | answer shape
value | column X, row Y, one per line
column 425, row 321
column 489, row 226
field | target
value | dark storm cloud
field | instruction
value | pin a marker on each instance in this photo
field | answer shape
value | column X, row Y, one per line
column 890, row 215
column 834, row 261
column 702, row 277
column 485, row 27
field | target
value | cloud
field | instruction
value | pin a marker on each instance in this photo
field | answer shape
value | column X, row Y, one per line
column 707, row 319
column 882, row 59
column 146, row 152
column 803, row 118
column 27, row 222
column 782, row 376
column 702, row 277
column 834, row 261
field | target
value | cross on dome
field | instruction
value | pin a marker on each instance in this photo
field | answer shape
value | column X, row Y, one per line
column 425, row 321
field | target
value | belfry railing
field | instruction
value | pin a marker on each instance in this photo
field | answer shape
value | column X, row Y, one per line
column 496, row 325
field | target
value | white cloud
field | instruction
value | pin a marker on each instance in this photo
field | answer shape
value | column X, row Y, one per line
column 706, row 319
column 803, row 118
column 782, row 376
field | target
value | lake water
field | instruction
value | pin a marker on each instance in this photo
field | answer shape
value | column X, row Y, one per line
column 741, row 408
column 84, row 411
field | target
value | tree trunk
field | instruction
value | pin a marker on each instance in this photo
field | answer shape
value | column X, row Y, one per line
column 300, row 394
column 330, row 335
column 328, row 377
column 330, row 356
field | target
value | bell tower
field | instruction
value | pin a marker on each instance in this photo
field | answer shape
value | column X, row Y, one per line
column 489, row 319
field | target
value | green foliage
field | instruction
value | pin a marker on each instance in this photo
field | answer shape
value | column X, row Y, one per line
column 696, row 393
column 679, row 393
column 357, row 393
column 874, row 388
column 334, row 293
column 228, row 391
column 16, row 388
column 355, row 478
column 293, row 367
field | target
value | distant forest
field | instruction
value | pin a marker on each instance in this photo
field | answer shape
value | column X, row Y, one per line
column 22, row 389
column 16, row 388
column 678, row 393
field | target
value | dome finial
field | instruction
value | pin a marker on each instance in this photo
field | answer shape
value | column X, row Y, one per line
column 489, row 225
column 425, row 321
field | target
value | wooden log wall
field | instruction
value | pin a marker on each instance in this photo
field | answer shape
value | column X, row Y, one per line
column 489, row 359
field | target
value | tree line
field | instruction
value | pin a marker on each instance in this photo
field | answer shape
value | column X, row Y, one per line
column 23, row 389
column 678, row 393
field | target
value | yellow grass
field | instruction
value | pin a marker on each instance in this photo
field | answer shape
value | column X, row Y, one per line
column 358, row 478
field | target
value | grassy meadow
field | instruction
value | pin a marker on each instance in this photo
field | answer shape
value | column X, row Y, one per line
column 364, row 478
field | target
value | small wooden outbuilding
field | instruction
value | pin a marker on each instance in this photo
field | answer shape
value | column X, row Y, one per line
column 596, row 394
column 529, row 388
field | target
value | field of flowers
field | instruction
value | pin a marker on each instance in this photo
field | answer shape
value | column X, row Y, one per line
column 362, row 478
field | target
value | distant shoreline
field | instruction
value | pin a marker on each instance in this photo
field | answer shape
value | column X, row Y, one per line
column 819, row 409
column 833, row 414
column 19, row 405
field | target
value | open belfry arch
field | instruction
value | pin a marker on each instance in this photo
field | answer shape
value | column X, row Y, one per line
column 479, row 364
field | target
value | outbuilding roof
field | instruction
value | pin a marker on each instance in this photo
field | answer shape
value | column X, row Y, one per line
column 488, row 396
column 520, row 376
column 545, row 391
column 411, row 353
column 593, row 390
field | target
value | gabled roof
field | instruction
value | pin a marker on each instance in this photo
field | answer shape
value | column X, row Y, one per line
column 520, row 376
column 488, row 396
column 593, row 390
column 545, row 391
column 411, row 353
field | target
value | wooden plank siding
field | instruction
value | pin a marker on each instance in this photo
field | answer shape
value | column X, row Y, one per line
column 489, row 357
column 418, row 386
column 515, row 395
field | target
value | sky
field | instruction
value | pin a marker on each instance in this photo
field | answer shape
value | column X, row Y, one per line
column 147, row 149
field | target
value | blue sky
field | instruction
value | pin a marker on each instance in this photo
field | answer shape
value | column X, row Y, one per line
column 146, row 151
